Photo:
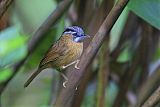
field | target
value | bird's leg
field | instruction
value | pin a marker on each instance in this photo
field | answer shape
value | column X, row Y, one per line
column 65, row 66
column 66, row 79
column 74, row 62
column 64, row 76
column 65, row 82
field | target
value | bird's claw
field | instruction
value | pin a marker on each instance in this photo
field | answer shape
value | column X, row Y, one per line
column 64, row 84
column 76, row 65
column 76, row 88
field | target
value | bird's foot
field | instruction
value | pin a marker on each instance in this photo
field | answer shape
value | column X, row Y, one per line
column 76, row 65
column 74, row 62
column 64, row 84
column 76, row 88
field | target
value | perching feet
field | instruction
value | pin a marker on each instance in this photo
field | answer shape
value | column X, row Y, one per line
column 64, row 76
column 76, row 65
column 64, row 84
column 74, row 62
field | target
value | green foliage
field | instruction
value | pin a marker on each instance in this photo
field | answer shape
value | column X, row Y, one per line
column 111, row 92
column 117, row 29
column 12, row 46
column 157, row 54
column 32, row 13
column 125, row 55
column 4, row 74
column 149, row 10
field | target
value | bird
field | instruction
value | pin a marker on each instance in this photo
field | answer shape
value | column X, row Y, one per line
column 65, row 52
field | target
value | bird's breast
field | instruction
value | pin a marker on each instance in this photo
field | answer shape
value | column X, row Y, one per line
column 74, row 51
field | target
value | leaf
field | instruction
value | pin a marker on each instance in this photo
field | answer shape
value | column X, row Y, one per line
column 117, row 29
column 149, row 10
column 157, row 54
column 12, row 46
column 124, row 56
column 5, row 74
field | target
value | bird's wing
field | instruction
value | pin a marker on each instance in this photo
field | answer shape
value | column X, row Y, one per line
column 57, row 50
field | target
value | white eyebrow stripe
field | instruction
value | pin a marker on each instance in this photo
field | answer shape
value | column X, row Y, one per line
column 71, row 32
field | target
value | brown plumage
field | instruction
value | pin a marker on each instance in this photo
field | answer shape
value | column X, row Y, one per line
column 62, row 53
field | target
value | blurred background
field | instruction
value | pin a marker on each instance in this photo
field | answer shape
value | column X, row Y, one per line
column 124, row 73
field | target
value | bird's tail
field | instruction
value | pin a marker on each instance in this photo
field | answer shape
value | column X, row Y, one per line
column 32, row 77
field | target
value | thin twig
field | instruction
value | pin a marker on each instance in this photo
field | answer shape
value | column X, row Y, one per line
column 75, row 77
column 39, row 35
column 4, row 5
column 147, row 32
column 153, row 100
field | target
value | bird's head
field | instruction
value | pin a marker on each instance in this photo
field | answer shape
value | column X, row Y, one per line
column 77, row 33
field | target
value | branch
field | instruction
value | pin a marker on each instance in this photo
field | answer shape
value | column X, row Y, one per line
column 147, row 86
column 153, row 100
column 4, row 5
column 39, row 35
column 96, row 21
column 75, row 77
column 146, row 51
column 80, row 93
column 103, row 74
